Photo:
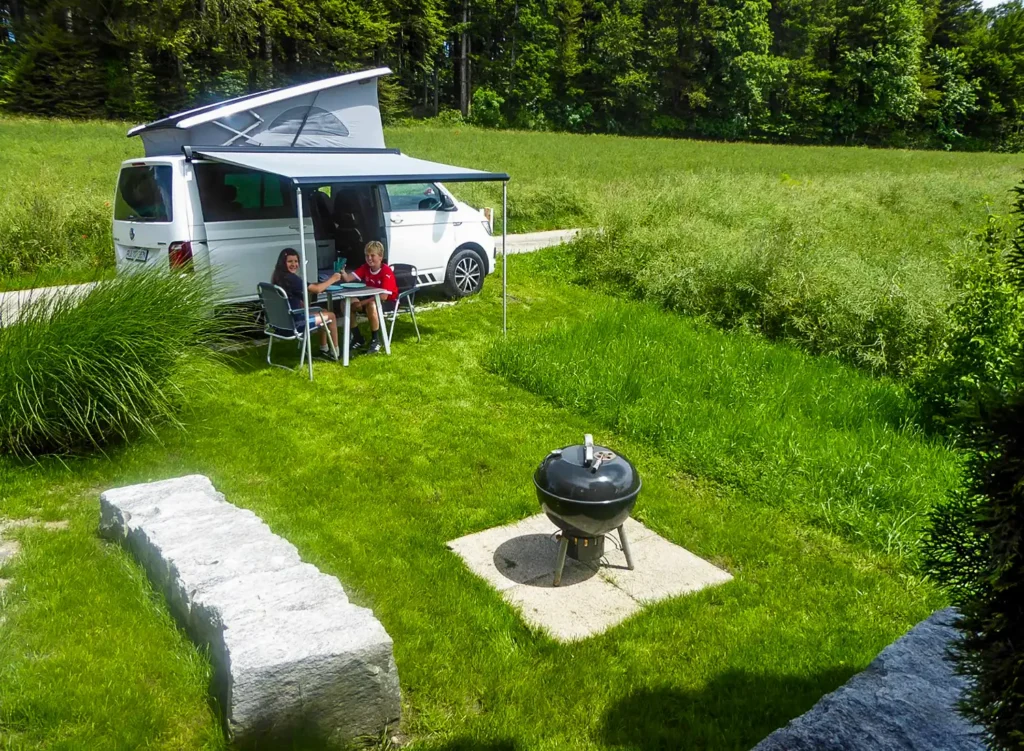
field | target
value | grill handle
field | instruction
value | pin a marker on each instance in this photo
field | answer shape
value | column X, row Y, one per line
column 588, row 449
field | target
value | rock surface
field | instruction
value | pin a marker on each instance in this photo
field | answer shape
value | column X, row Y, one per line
column 903, row 701
column 290, row 653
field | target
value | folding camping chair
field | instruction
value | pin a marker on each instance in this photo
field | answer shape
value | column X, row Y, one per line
column 286, row 324
column 405, row 277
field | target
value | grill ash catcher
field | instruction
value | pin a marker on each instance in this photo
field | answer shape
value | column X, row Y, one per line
column 587, row 491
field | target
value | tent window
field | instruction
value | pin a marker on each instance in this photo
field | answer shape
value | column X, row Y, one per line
column 313, row 121
column 230, row 194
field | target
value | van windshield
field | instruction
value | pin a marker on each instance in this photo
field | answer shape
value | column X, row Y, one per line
column 144, row 194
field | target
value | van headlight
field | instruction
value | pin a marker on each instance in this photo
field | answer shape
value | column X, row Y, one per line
column 487, row 226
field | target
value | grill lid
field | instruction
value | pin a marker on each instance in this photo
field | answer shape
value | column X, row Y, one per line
column 588, row 473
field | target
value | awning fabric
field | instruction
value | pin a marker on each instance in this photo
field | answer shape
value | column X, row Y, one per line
column 323, row 167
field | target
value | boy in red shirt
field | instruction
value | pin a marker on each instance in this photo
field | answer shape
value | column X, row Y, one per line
column 373, row 273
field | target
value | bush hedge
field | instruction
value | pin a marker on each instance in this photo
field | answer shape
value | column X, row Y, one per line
column 984, row 331
column 77, row 371
column 790, row 263
column 975, row 545
column 976, row 550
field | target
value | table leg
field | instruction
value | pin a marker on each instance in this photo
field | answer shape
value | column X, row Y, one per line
column 383, row 325
column 348, row 332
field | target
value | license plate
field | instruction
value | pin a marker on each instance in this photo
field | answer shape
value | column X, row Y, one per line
column 136, row 254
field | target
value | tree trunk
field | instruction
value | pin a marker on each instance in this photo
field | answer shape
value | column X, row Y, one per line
column 464, row 61
column 436, row 93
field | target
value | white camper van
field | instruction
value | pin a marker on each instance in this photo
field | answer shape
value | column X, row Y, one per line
column 217, row 191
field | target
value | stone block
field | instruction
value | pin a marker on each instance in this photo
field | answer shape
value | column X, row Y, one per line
column 905, row 700
column 291, row 655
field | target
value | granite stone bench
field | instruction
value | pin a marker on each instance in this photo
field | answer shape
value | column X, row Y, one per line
column 291, row 655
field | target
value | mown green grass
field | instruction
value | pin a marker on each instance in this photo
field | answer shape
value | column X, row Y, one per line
column 832, row 446
column 369, row 471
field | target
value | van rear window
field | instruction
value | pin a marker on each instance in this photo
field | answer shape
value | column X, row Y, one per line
column 144, row 194
column 229, row 193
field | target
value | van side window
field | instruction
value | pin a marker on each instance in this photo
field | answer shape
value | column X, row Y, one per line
column 144, row 194
column 414, row 197
column 231, row 194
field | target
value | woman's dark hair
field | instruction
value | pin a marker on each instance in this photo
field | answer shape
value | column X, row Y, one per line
column 281, row 267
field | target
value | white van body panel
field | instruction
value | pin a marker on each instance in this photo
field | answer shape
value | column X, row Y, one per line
column 241, row 253
column 427, row 239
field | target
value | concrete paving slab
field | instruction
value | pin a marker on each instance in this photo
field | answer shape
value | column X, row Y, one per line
column 518, row 560
column 574, row 610
column 515, row 553
column 661, row 570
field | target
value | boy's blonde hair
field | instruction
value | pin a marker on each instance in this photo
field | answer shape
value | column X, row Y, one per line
column 375, row 247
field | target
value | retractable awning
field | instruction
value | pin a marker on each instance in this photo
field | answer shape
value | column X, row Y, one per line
column 319, row 166
column 308, row 167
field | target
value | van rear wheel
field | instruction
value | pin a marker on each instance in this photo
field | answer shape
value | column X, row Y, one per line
column 465, row 274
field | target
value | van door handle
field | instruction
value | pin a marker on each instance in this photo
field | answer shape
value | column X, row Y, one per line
column 396, row 220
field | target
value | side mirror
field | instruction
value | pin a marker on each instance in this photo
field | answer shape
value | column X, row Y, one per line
column 447, row 204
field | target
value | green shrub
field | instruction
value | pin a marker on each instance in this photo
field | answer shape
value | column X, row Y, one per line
column 974, row 550
column 77, row 372
column 984, row 334
column 790, row 267
column 487, row 108
column 974, row 543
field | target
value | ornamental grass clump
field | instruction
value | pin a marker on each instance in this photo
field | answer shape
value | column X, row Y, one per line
column 80, row 370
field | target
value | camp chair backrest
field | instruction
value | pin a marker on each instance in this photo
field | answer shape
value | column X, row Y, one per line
column 275, row 303
column 405, row 277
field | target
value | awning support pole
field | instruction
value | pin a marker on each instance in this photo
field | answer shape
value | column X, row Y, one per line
column 305, row 283
column 504, row 258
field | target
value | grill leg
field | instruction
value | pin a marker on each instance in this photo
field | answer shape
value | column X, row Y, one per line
column 625, row 546
column 563, row 546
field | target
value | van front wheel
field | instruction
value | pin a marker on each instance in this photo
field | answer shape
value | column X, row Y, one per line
column 465, row 274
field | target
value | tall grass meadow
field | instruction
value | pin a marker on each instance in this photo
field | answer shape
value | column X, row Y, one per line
column 834, row 446
column 80, row 370
column 828, row 267
column 57, row 180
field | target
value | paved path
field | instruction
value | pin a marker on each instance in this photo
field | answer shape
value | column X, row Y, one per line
column 528, row 242
column 531, row 241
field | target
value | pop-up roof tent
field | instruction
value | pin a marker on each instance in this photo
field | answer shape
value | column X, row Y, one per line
column 317, row 133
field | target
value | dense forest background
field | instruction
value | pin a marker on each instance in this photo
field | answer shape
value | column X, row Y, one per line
column 917, row 73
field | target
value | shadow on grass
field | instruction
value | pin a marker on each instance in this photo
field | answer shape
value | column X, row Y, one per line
column 247, row 354
column 736, row 710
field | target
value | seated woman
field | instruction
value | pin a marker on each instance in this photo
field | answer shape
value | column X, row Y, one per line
column 373, row 273
column 287, row 278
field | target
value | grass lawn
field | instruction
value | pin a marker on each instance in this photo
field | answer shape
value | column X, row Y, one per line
column 369, row 471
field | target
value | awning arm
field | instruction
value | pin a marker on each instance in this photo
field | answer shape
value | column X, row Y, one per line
column 504, row 258
column 305, row 284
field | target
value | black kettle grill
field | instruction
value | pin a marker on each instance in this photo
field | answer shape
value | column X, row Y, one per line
column 587, row 491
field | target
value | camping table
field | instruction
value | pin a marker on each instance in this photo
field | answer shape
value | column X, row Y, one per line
column 348, row 293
